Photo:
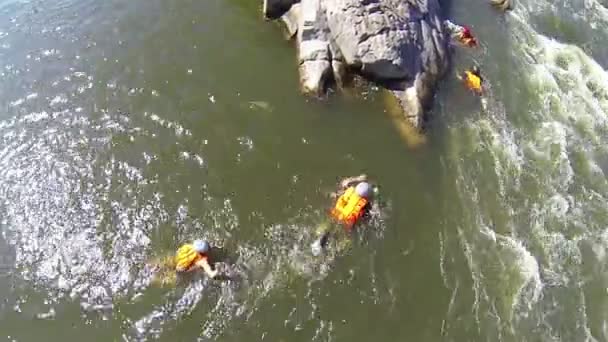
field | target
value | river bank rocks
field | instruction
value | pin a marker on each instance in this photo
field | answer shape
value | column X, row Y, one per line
column 398, row 44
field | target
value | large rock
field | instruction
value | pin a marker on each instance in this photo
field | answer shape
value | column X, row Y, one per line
column 291, row 20
column 399, row 41
column 313, row 48
column 400, row 44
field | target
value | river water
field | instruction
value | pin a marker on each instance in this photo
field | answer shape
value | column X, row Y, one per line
column 130, row 127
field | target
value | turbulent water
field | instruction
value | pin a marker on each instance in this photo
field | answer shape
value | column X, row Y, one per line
column 129, row 128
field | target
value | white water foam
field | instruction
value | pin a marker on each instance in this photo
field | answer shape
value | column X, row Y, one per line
column 557, row 150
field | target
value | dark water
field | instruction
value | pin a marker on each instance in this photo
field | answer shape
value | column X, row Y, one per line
column 129, row 128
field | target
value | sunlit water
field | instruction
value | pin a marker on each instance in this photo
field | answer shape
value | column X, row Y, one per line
column 129, row 128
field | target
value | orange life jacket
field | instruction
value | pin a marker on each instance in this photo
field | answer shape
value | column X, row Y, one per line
column 470, row 42
column 473, row 82
column 349, row 207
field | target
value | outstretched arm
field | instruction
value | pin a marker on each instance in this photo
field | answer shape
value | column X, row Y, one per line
column 204, row 264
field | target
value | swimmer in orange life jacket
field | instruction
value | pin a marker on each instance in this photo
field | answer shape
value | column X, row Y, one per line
column 351, row 206
column 472, row 80
column 461, row 34
column 466, row 37
column 194, row 256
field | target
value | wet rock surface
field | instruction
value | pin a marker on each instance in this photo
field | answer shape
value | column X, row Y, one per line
column 401, row 45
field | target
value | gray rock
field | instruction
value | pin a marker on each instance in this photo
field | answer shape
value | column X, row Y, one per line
column 313, row 76
column 338, row 64
column 290, row 19
column 400, row 44
column 314, row 54
column 400, row 41
column 274, row 9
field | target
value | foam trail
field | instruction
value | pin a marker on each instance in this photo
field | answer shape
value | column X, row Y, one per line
column 558, row 151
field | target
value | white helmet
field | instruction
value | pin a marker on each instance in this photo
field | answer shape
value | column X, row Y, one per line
column 201, row 246
column 363, row 189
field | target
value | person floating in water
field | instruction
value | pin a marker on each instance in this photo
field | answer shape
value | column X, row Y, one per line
column 461, row 34
column 168, row 269
column 472, row 80
column 352, row 205
column 190, row 257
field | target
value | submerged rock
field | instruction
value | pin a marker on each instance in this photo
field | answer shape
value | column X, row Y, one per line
column 504, row 5
column 400, row 44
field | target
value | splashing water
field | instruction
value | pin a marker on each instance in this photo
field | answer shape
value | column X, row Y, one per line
column 110, row 158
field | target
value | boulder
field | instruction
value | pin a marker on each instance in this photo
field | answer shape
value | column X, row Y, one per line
column 291, row 20
column 274, row 9
column 314, row 55
column 400, row 44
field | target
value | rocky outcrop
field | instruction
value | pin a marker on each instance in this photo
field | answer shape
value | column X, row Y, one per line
column 399, row 44
column 314, row 54
column 274, row 9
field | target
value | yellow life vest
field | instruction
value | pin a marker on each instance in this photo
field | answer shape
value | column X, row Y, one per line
column 473, row 81
column 186, row 257
column 349, row 207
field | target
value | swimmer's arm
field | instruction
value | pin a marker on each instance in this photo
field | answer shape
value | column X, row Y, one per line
column 204, row 264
